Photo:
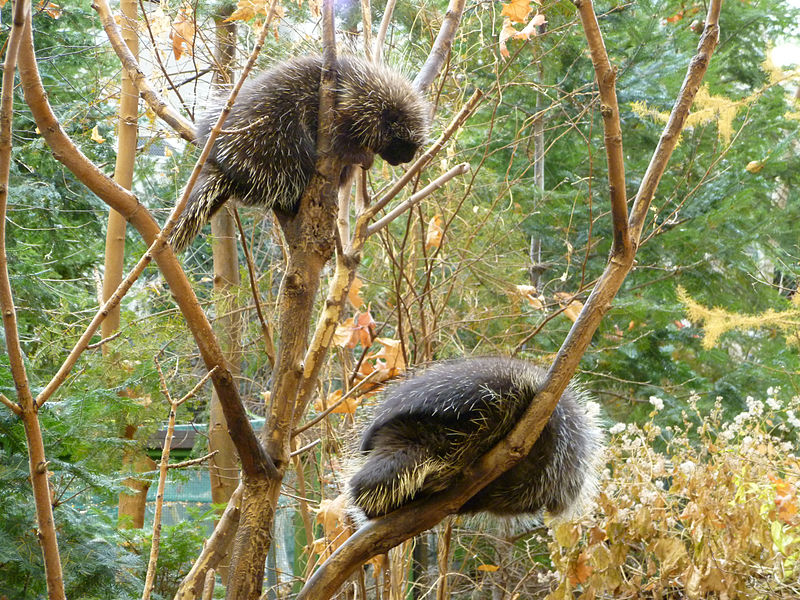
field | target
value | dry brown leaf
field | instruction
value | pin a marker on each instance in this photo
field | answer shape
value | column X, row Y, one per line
column 435, row 232
column 582, row 570
column 182, row 33
column 347, row 407
column 354, row 295
column 335, row 523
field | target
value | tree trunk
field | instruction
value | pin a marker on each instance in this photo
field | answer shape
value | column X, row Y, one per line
column 131, row 505
column 224, row 466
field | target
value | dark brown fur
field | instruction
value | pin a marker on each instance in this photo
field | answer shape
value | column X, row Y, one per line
column 268, row 158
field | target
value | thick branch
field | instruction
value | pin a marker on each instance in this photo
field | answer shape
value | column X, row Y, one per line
column 26, row 408
column 250, row 451
column 183, row 127
column 441, row 46
column 214, row 550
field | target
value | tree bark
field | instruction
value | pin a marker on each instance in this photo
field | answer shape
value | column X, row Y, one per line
column 224, row 467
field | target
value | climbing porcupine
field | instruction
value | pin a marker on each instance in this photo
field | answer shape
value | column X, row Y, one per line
column 436, row 422
column 268, row 157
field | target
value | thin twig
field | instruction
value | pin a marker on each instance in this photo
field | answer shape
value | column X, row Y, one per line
column 197, row 386
column 305, row 448
column 193, row 461
column 103, row 341
column 412, row 201
column 333, row 406
column 266, row 330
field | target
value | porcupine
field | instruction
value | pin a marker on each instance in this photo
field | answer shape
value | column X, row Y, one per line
column 434, row 423
column 268, row 156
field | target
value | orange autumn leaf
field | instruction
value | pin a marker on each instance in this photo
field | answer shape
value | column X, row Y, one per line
column 435, row 233
column 517, row 10
column 488, row 568
column 581, row 571
column 182, row 34
column 51, row 8
column 573, row 307
column 355, row 330
column 348, row 406
column 785, row 499
column 510, row 32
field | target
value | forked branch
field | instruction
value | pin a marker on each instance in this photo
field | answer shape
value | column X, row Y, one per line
column 379, row 535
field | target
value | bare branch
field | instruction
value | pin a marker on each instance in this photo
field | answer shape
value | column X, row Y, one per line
column 193, row 461
column 305, row 448
column 197, row 386
column 266, row 329
column 609, row 109
column 417, row 198
column 214, row 550
column 385, row 20
column 677, row 118
column 162, row 481
column 441, row 46
column 26, row 409
column 153, row 99
column 12, row 406
column 251, row 453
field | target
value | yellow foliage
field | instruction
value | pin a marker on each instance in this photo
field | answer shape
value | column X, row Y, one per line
column 717, row 321
column 709, row 510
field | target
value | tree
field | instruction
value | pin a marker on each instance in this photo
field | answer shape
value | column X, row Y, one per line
column 310, row 240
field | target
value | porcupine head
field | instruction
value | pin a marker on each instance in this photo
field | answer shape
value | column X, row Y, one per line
column 266, row 154
column 439, row 420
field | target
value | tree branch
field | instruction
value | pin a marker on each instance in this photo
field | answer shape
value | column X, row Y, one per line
column 26, row 407
column 153, row 99
column 677, row 118
column 379, row 535
column 441, row 46
column 606, row 81
column 251, row 453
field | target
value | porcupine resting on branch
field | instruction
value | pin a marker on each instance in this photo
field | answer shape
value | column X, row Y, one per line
column 434, row 423
column 269, row 154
